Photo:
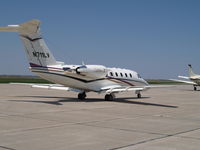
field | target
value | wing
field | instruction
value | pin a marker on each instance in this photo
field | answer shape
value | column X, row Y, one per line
column 159, row 86
column 49, row 86
column 184, row 77
column 183, row 81
column 117, row 89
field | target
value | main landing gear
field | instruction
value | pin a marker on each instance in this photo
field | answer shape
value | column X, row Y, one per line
column 82, row 96
column 195, row 88
column 109, row 97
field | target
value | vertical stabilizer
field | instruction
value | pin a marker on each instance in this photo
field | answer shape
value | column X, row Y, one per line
column 36, row 49
column 191, row 73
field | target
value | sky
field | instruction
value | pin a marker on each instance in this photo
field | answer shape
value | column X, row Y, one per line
column 156, row 38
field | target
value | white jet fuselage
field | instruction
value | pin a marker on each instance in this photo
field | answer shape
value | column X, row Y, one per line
column 90, row 77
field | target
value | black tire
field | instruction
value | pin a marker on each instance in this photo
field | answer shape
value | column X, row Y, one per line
column 77, row 70
column 81, row 96
column 195, row 88
column 139, row 95
column 109, row 97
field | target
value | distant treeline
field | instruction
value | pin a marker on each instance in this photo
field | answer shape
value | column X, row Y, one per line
column 35, row 79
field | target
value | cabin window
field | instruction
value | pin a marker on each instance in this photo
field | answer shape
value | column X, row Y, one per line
column 116, row 74
column 121, row 74
column 111, row 74
column 130, row 75
column 126, row 75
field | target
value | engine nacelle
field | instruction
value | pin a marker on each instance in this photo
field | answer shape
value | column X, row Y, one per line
column 92, row 70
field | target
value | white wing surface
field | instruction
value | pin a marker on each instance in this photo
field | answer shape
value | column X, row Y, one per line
column 123, row 89
column 184, row 77
column 183, row 81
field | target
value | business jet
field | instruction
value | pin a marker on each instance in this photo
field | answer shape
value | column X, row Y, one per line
column 79, row 78
column 194, row 78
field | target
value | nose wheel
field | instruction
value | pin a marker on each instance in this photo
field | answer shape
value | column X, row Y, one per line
column 195, row 88
column 138, row 94
column 82, row 96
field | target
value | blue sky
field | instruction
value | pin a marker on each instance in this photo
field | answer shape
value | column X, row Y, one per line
column 156, row 38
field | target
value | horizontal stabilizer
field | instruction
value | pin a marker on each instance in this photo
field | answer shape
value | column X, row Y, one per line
column 27, row 28
column 11, row 28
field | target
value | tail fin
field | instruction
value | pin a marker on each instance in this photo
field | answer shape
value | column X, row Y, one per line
column 36, row 49
column 191, row 73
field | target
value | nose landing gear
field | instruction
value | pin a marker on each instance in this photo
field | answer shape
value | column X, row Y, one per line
column 138, row 94
column 195, row 88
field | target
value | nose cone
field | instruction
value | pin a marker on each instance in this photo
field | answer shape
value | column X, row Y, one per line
column 145, row 82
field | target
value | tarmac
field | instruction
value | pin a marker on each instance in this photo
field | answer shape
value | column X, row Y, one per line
column 41, row 119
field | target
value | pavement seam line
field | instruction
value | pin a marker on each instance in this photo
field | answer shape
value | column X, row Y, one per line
column 154, row 139
column 8, row 148
column 138, row 131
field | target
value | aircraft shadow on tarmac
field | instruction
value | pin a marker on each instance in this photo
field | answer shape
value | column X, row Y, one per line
column 191, row 90
column 130, row 100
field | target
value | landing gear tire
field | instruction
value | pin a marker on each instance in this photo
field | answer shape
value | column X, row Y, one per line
column 139, row 95
column 109, row 97
column 82, row 96
column 195, row 88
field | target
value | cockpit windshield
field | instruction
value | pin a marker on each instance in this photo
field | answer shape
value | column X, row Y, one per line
column 139, row 76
